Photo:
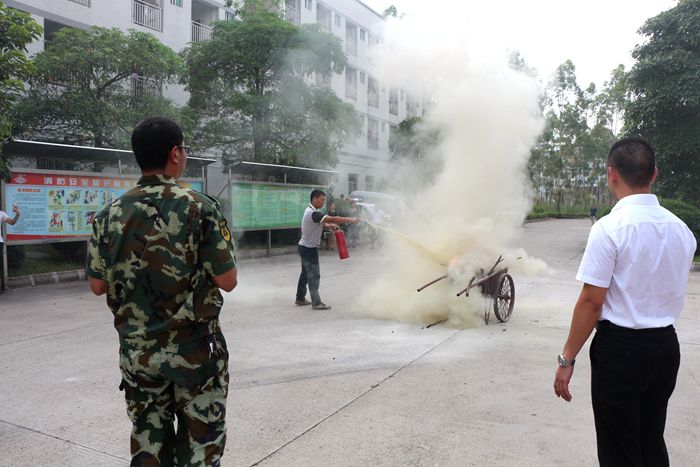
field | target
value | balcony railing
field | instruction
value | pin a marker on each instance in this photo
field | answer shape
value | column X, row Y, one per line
column 200, row 32
column 82, row 2
column 147, row 15
column 291, row 14
column 143, row 86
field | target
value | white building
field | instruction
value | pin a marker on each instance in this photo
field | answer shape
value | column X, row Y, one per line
column 362, row 162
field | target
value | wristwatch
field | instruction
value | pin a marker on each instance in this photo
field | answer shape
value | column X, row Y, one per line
column 563, row 362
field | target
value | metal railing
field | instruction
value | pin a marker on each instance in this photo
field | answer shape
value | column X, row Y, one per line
column 291, row 14
column 82, row 2
column 143, row 86
column 147, row 15
column 200, row 32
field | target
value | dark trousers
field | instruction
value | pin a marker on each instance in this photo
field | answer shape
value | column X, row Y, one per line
column 310, row 274
column 633, row 374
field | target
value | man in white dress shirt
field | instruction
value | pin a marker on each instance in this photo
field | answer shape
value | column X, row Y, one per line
column 634, row 272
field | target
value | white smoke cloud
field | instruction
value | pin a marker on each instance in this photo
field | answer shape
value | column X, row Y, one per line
column 488, row 117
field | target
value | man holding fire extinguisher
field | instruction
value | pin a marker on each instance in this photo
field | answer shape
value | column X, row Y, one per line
column 311, row 229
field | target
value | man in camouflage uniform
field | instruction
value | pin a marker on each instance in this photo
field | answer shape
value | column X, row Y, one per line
column 161, row 253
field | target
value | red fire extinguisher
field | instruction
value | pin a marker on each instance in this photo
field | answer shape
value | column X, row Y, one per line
column 342, row 246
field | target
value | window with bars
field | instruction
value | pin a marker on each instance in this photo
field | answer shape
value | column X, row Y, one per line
column 372, row 92
column 351, row 38
column 323, row 16
column 176, row 3
column 352, row 183
column 393, row 101
column 350, row 83
column 308, row 4
column 372, row 133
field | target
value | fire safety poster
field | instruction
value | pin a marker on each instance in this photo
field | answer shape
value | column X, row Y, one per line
column 56, row 206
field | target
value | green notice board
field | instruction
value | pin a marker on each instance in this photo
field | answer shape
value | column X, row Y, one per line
column 260, row 206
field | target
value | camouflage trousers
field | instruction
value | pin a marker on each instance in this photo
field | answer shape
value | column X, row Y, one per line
column 190, row 383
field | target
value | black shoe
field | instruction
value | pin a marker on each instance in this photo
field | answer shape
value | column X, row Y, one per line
column 320, row 306
column 302, row 302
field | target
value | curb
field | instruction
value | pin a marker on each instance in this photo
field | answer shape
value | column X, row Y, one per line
column 46, row 278
column 32, row 280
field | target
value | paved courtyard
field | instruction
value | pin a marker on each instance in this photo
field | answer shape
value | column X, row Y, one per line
column 335, row 388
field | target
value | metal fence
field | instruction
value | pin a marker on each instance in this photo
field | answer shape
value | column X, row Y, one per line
column 200, row 32
column 147, row 15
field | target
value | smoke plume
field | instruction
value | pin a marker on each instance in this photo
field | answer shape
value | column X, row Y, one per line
column 487, row 117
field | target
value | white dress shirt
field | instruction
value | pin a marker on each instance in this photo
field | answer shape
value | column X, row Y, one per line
column 642, row 254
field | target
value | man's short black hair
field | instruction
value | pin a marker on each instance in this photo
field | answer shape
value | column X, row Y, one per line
column 634, row 159
column 317, row 194
column 152, row 140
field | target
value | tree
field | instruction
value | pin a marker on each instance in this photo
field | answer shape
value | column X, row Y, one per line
column 17, row 30
column 665, row 98
column 569, row 158
column 252, row 97
column 612, row 100
column 413, row 144
column 93, row 86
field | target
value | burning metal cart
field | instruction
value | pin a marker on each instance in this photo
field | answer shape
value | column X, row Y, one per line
column 497, row 287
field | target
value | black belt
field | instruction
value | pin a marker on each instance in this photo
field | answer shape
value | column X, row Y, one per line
column 605, row 325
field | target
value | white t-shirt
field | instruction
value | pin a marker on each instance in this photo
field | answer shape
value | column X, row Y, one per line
column 311, row 227
column 3, row 218
column 642, row 254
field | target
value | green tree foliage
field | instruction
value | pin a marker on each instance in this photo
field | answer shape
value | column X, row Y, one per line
column 17, row 30
column 93, row 86
column 414, row 145
column 665, row 97
column 252, row 97
column 568, row 162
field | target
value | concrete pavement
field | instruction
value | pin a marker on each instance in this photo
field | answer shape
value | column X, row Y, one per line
column 335, row 388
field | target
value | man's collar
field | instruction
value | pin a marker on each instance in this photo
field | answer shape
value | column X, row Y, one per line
column 157, row 179
column 647, row 199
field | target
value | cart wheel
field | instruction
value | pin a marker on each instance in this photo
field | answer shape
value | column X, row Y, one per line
column 504, row 298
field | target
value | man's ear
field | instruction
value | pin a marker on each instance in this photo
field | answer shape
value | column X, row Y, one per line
column 173, row 155
column 612, row 175
column 656, row 174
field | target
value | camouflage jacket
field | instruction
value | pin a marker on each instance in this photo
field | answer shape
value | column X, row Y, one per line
column 158, row 247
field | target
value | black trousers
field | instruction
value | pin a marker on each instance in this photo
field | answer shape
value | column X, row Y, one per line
column 310, row 274
column 633, row 374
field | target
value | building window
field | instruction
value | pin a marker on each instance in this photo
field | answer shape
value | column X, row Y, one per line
column 308, row 4
column 351, row 83
column 176, row 3
column 363, row 34
column 372, row 133
column 337, row 19
column 383, row 127
column 373, row 92
column 362, row 77
column 323, row 17
column 352, row 183
column 351, row 39
column 230, row 16
column 369, row 183
column 82, row 2
column 393, row 101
